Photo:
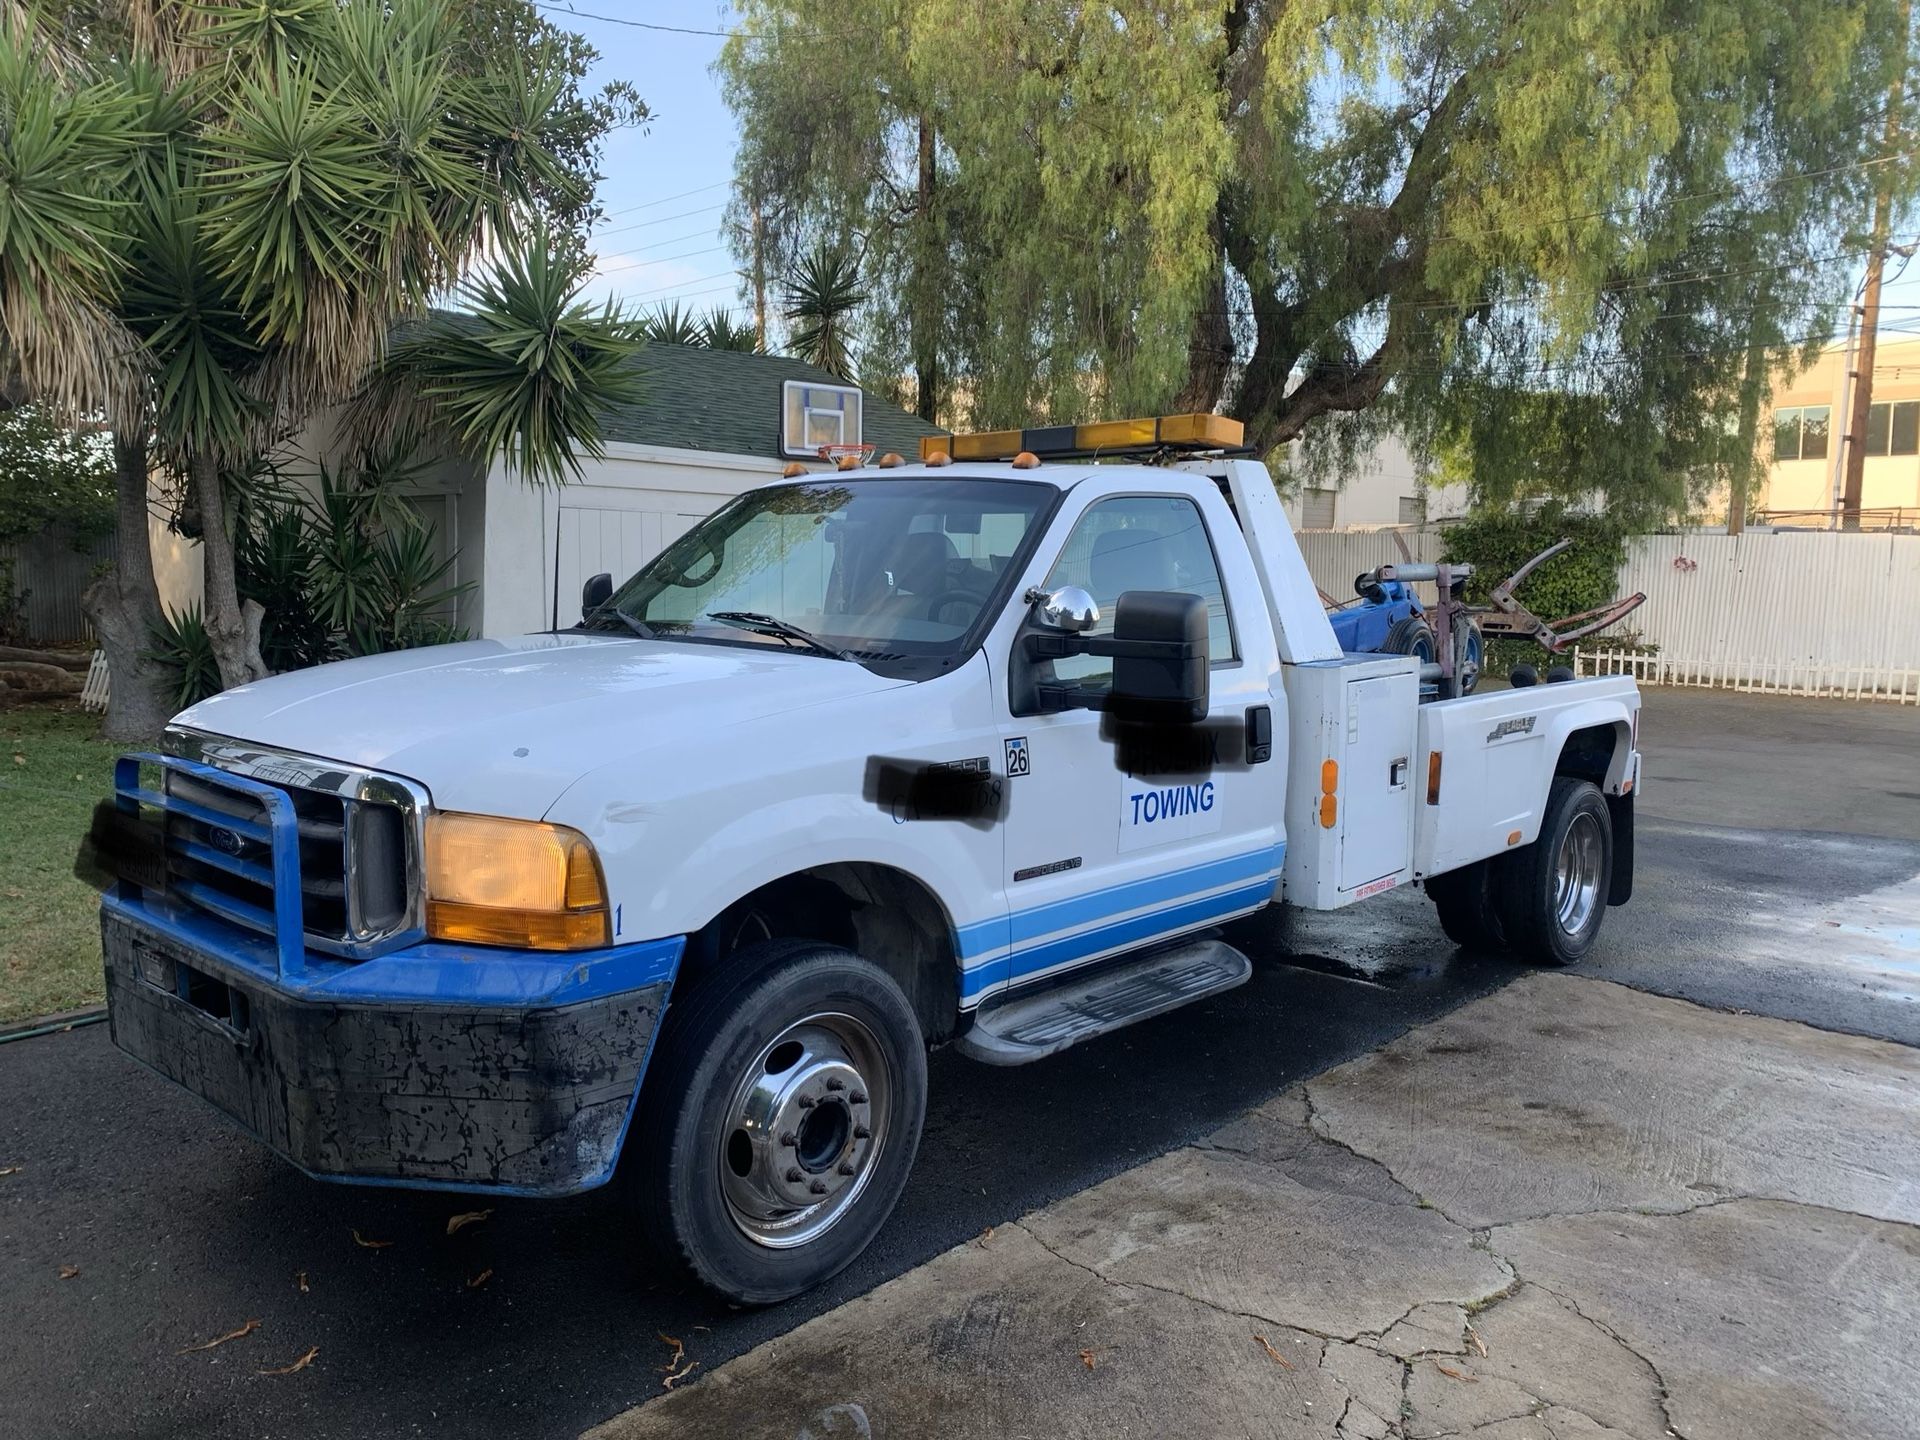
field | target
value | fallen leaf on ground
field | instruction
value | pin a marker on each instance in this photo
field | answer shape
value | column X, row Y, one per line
column 673, row 1380
column 1479, row 1345
column 1278, row 1358
column 1452, row 1374
column 19, row 759
column 472, row 1217
column 300, row 1364
column 69, row 1272
column 246, row 1329
column 1089, row 1358
column 986, row 1236
column 679, row 1352
column 367, row 1244
column 477, row 1281
column 300, row 1279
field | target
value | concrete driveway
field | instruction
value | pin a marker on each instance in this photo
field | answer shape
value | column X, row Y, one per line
column 1755, row 895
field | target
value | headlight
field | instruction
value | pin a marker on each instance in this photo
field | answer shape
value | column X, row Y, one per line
column 514, row 882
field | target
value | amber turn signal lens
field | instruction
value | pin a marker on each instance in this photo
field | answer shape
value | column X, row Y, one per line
column 514, row 882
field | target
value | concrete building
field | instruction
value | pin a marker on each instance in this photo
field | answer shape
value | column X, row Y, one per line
column 1809, row 419
column 1387, row 487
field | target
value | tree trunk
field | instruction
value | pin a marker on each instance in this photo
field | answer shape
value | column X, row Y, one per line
column 124, row 608
column 1752, row 382
column 926, row 302
column 233, row 629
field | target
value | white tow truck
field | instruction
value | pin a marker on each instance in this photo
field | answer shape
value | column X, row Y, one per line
column 979, row 751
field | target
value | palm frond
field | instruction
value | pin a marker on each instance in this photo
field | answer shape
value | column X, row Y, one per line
column 63, row 227
column 823, row 292
column 530, row 372
column 720, row 330
column 670, row 324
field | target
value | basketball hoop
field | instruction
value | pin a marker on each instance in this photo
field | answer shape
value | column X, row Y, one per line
column 846, row 457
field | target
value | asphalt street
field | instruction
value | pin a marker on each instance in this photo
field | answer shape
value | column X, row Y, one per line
column 1773, row 879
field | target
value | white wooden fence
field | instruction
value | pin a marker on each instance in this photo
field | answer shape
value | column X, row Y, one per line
column 1797, row 612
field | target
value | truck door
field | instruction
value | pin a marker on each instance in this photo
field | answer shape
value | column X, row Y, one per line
column 1101, row 861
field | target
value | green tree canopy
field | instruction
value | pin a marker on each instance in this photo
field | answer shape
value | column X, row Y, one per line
column 1328, row 217
column 214, row 214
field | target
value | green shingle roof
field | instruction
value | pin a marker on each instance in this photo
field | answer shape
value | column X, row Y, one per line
column 729, row 400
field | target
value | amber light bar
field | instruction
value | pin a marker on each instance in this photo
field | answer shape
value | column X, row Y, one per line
column 1103, row 438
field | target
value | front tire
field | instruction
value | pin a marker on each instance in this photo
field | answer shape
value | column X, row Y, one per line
column 787, row 1098
column 1553, row 894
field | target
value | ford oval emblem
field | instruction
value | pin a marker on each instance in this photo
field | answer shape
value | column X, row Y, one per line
column 225, row 840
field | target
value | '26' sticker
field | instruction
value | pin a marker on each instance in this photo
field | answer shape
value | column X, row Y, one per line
column 1017, row 761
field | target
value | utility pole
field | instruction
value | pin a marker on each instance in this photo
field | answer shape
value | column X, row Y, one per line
column 1861, row 377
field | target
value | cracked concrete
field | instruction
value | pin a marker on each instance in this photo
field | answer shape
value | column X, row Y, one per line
column 1566, row 1212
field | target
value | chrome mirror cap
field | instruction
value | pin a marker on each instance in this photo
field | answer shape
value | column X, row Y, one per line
column 1069, row 608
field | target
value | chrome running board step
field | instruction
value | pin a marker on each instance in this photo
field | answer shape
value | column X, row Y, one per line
column 1029, row 1027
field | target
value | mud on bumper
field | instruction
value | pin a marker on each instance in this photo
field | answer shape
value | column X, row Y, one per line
column 531, row 1100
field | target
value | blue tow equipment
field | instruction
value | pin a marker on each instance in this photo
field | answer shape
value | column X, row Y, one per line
column 1390, row 620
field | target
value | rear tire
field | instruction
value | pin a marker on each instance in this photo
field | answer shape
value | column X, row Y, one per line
column 787, row 1094
column 1468, row 907
column 1553, row 894
column 1413, row 636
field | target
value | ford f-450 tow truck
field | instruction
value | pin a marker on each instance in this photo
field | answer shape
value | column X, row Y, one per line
column 979, row 751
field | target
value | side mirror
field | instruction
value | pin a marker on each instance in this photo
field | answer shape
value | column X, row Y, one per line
column 1069, row 609
column 595, row 593
column 1160, row 659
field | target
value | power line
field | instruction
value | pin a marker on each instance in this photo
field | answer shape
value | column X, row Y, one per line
column 664, row 199
column 663, row 260
column 564, row 9
column 645, row 224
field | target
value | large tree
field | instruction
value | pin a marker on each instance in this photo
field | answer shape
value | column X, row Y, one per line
column 215, row 213
column 1328, row 217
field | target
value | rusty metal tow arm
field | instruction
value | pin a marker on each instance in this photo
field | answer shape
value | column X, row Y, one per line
column 1509, row 617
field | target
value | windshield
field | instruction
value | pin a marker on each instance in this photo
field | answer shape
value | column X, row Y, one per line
column 883, row 569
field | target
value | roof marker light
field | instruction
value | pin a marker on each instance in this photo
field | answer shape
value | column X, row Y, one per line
column 793, row 471
column 1106, row 438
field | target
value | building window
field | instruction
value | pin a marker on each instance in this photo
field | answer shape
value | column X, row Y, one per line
column 1413, row 509
column 1893, row 428
column 1316, row 509
column 1800, row 432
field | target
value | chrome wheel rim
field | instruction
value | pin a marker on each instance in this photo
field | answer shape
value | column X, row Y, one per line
column 805, row 1128
column 1576, row 875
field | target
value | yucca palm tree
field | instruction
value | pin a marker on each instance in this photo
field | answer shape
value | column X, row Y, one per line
column 721, row 330
column 213, row 213
column 823, row 291
column 669, row 324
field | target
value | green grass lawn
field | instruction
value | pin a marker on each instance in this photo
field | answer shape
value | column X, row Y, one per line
column 52, row 771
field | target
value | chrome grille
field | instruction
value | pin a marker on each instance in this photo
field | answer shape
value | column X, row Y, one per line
column 360, row 843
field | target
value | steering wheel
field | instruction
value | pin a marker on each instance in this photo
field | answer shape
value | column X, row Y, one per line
column 947, row 597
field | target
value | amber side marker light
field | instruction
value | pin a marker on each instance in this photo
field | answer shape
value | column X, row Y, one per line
column 1433, row 777
column 523, row 883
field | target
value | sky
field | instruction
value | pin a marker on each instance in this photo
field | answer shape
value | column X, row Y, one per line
column 665, row 190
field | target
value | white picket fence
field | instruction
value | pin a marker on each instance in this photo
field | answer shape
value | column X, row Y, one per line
column 1796, row 612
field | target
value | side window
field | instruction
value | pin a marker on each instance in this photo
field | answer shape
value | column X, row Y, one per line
column 1141, row 542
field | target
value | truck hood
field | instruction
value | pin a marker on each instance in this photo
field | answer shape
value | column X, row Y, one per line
column 504, row 726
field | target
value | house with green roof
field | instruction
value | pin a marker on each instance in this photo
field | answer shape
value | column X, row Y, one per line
column 709, row 424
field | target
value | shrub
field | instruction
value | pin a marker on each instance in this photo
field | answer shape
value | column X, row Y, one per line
column 1582, row 577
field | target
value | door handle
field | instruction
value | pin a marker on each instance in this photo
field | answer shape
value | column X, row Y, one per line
column 1397, row 774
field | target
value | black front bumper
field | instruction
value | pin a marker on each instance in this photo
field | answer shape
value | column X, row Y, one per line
column 521, row 1100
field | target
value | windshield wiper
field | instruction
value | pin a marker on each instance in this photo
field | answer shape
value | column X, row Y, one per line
column 638, row 627
column 774, row 625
